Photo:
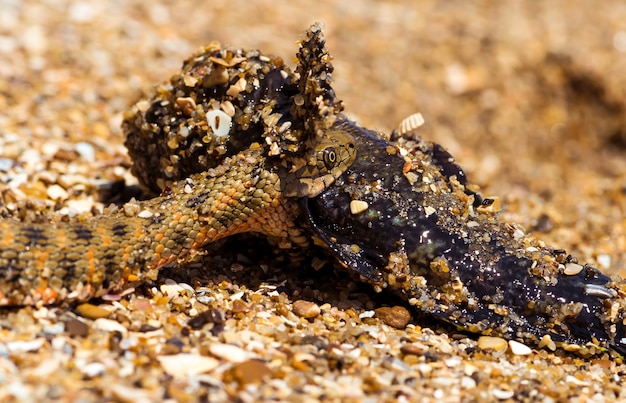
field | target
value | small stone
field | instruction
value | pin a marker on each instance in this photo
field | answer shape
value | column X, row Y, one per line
column 429, row 210
column 518, row 348
column 468, row 383
column 236, row 88
column 300, row 361
column 240, row 307
column 228, row 108
column 395, row 316
column 228, row 352
column 496, row 344
column 251, row 371
column 93, row 370
column 575, row 381
column 69, row 180
column 358, row 206
column 503, row 394
column 490, row 205
column 604, row 261
column 81, row 205
column 190, row 81
column 56, row 192
column 367, row 314
column 603, row 363
column 23, row 346
column 145, row 214
column 127, row 394
column 306, row 309
column 86, row 151
column 571, row 269
column 547, row 342
column 109, row 325
column 6, row 164
column 183, row 365
column 90, row 311
column 418, row 349
column 76, row 327
column 172, row 289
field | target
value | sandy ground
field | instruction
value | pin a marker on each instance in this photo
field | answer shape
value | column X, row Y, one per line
column 528, row 96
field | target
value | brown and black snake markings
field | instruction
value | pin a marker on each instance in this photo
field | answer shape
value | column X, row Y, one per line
column 243, row 144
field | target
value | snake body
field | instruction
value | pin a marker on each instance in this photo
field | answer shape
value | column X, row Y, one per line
column 284, row 142
column 78, row 260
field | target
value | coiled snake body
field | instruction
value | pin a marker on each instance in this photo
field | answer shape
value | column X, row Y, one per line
column 249, row 184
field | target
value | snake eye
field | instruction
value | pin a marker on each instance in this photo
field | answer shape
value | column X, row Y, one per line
column 330, row 157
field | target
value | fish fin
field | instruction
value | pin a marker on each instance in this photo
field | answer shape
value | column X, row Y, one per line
column 350, row 255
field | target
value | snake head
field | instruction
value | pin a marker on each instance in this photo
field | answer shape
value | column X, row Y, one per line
column 328, row 215
column 326, row 158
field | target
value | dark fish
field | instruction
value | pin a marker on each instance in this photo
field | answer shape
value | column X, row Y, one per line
column 418, row 231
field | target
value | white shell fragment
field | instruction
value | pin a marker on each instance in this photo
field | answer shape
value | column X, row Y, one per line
column 220, row 122
column 358, row 206
column 410, row 123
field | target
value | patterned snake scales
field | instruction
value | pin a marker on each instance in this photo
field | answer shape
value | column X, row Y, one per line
column 49, row 263
column 247, row 181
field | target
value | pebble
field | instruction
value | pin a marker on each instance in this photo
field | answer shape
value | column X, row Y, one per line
column 86, row 151
column 604, row 261
column 305, row 309
column 414, row 349
column 468, row 383
column 91, row 311
column 171, row 290
column 358, row 206
column 367, row 314
column 93, row 369
column 127, row 394
column 109, row 325
column 571, row 269
column 240, row 307
column 80, row 205
column 69, row 180
column 395, row 316
column 518, row 348
column 56, row 192
column 573, row 380
column 185, row 364
column 503, row 394
column 496, row 344
column 76, row 327
column 6, row 164
column 20, row 346
column 228, row 352
column 251, row 371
